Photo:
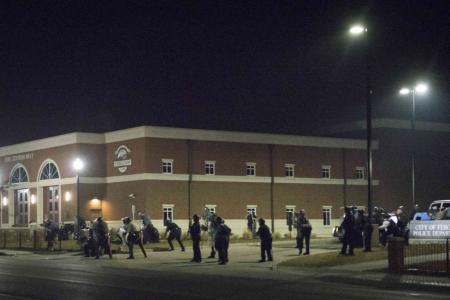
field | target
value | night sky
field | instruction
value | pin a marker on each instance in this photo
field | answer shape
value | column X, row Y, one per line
column 264, row 66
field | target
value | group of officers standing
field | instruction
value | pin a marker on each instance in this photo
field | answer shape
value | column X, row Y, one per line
column 96, row 239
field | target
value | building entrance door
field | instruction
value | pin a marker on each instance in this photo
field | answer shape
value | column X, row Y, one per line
column 22, row 206
column 53, row 203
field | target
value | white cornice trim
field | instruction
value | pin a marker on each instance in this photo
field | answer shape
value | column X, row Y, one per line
column 183, row 134
column 390, row 123
column 52, row 142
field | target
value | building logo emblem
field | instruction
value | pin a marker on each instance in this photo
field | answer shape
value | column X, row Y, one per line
column 122, row 158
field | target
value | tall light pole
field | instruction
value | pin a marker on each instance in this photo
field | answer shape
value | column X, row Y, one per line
column 78, row 165
column 360, row 30
column 420, row 88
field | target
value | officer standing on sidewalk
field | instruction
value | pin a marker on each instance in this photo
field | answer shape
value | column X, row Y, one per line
column 194, row 231
column 266, row 240
column 222, row 241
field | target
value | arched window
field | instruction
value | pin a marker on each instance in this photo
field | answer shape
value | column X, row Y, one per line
column 19, row 175
column 49, row 171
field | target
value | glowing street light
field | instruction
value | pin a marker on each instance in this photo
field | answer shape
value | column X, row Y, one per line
column 420, row 88
column 356, row 31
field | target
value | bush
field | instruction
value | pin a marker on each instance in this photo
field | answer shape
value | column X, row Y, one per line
column 246, row 235
column 234, row 237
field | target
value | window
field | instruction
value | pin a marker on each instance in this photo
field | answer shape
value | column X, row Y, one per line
column 19, row 175
column 289, row 170
column 290, row 212
column 360, row 173
column 168, row 213
column 49, row 171
column 326, row 172
column 167, row 166
column 252, row 209
column 326, row 213
column 212, row 208
column 251, row 169
column 210, row 167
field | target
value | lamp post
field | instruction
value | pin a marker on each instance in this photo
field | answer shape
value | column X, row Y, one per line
column 420, row 88
column 78, row 165
column 358, row 30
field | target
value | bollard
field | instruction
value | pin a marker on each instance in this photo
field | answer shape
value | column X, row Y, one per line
column 34, row 240
column 396, row 246
column 447, row 256
column 4, row 239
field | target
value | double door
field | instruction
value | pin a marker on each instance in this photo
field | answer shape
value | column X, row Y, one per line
column 53, row 203
column 22, row 206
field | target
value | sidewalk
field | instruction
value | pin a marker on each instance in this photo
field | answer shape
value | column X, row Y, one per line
column 375, row 274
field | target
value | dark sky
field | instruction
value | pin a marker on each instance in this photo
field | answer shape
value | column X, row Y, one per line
column 267, row 66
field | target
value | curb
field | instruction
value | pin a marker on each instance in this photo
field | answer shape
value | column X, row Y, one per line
column 392, row 281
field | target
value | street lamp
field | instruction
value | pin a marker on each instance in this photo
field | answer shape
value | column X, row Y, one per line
column 78, row 165
column 356, row 31
column 420, row 88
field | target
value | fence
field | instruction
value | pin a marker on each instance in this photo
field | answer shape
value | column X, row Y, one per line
column 420, row 256
column 32, row 239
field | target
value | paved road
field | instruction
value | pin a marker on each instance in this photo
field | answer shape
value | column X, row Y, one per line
column 168, row 275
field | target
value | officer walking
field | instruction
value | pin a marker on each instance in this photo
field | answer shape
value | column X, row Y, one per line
column 194, row 231
column 174, row 234
column 100, row 233
column 222, row 240
column 266, row 240
column 304, row 229
column 132, row 237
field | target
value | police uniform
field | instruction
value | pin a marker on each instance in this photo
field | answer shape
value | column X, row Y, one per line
column 194, row 231
column 174, row 234
column 133, row 236
column 266, row 240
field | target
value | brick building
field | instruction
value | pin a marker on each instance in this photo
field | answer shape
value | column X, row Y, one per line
column 431, row 143
column 174, row 173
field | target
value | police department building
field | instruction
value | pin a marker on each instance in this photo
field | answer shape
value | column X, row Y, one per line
column 174, row 173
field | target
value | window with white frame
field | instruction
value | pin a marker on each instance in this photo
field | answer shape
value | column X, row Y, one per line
column 167, row 166
column 326, row 172
column 251, row 169
column 290, row 212
column 289, row 170
column 251, row 209
column 326, row 215
column 360, row 173
column 168, row 213
column 210, row 167
column 211, row 207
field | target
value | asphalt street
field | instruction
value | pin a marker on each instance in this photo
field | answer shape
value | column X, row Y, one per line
column 170, row 275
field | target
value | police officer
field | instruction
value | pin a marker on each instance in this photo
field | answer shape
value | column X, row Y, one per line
column 348, row 226
column 100, row 234
column 132, row 237
column 51, row 230
column 174, row 233
column 367, row 229
column 212, row 230
column 194, row 231
column 266, row 240
column 305, row 229
column 222, row 240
